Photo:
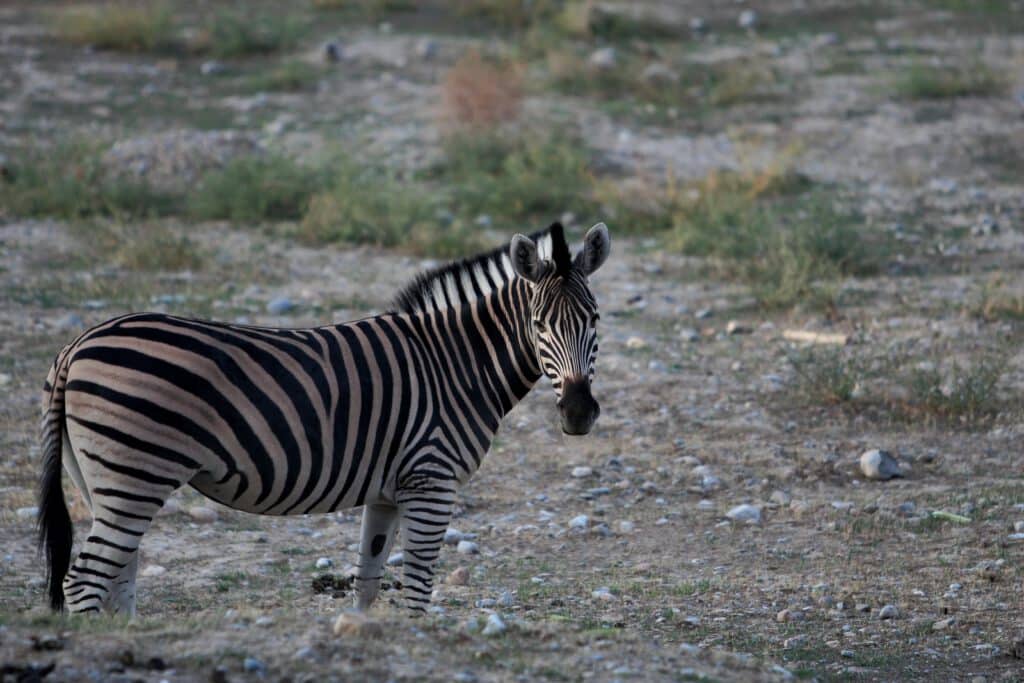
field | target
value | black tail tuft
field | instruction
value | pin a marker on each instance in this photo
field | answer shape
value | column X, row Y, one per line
column 55, row 528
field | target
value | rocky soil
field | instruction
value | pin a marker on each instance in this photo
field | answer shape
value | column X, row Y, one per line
column 719, row 523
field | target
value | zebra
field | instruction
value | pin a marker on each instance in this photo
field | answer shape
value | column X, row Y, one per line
column 392, row 412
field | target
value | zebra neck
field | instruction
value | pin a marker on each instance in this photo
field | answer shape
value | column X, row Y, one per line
column 500, row 338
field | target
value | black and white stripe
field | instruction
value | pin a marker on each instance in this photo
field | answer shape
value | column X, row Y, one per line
column 392, row 412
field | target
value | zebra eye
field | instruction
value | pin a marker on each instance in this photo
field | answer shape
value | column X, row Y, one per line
column 593, row 319
column 540, row 326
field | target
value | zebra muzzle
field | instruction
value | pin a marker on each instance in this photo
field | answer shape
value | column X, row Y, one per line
column 578, row 407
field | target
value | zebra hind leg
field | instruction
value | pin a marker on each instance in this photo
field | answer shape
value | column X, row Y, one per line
column 377, row 536
column 103, row 574
column 425, row 517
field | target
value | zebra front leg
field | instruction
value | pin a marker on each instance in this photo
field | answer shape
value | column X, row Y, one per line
column 426, row 513
column 377, row 536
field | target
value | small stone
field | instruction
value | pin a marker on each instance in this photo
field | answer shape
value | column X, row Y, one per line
column 1018, row 526
column 202, row 515
column 847, row 653
column 484, row 220
column 280, row 305
column 795, row 641
column 862, row 607
column 748, row 19
column 579, row 522
column 27, row 512
column 658, row 74
column 603, row 593
column 458, row 577
column 601, row 529
column 787, row 615
column 943, row 624
column 396, row 559
column 452, row 536
column 744, row 513
column 889, row 612
column 264, row 621
column 688, row 334
column 154, row 570
column 253, row 665
column 467, row 548
column 495, row 625
column 581, row 472
column 703, row 313
column 626, row 526
column 606, row 58
column 989, row 569
column 357, row 625
column 879, row 465
column 698, row 25
column 636, row 343
column 212, row 68
column 324, row 563
column 735, row 327
column 780, row 498
column 425, row 49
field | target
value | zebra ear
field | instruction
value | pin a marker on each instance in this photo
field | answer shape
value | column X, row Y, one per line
column 526, row 261
column 596, row 246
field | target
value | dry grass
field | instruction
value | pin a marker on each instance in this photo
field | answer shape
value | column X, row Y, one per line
column 998, row 302
column 930, row 82
column 478, row 93
column 123, row 26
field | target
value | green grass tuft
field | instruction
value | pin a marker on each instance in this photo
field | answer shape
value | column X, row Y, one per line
column 146, row 27
column 236, row 33
column 827, row 375
column 288, row 76
column 256, row 189
column 926, row 82
column 966, row 394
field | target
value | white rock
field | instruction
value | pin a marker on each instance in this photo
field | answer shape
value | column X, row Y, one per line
column 324, row 563
column 748, row 19
column 452, row 536
column 154, row 570
column 27, row 512
column 657, row 73
column 688, row 334
column 604, row 58
column 467, row 548
column 636, row 343
column 579, row 522
column 879, row 465
column 780, row 498
column 736, row 327
column 581, row 472
column 202, row 515
column 626, row 526
column 396, row 559
column 889, row 612
column 603, row 593
column 1018, row 526
column 495, row 625
column 744, row 513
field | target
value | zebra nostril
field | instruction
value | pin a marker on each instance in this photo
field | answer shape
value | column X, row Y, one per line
column 560, row 404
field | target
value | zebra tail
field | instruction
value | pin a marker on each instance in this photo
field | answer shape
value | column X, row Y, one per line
column 55, row 528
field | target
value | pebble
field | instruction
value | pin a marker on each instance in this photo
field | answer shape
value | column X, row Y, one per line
column 1018, row 526
column 657, row 73
column 735, row 327
column 989, row 569
column 495, row 625
column 425, row 49
column 357, row 625
column 154, row 570
column 787, row 615
column 744, row 513
column 253, row 665
column 603, row 593
column 748, row 19
column 467, row 548
column 280, row 305
column 780, row 498
column 879, row 465
column 458, row 577
column 324, row 563
column 795, row 641
column 605, row 58
column 212, row 68
column 636, row 343
column 265, row 621
column 889, row 612
column 698, row 25
column 27, row 512
column 703, row 313
column 452, row 536
column 688, row 334
column 202, row 515
column 943, row 624
column 581, row 472
column 626, row 526
column 579, row 522
column 396, row 559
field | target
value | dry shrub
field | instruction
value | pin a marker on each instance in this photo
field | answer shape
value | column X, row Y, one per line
column 479, row 93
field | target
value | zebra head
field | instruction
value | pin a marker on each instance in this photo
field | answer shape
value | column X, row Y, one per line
column 564, row 316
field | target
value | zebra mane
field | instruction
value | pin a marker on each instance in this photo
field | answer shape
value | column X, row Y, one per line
column 463, row 281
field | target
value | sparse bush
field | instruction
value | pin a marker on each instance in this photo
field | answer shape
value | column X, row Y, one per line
column 69, row 181
column 254, row 189
column 827, row 375
column 291, row 76
column 366, row 206
column 964, row 393
column 517, row 178
column 921, row 81
column 234, row 33
column 123, row 26
column 143, row 246
column 479, row 94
